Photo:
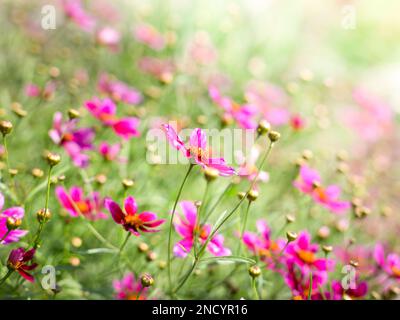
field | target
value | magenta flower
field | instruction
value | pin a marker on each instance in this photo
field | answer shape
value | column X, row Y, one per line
column 187, row 224
column 74, row 10
column 297, row 122
column 105, row 110
column 16, row 213
column 390, row 264
column 74, row 141
column 149, row 36
column 47, row 92
column 303, row 253
column 358, row 292
column 128, row 288
column 109, row 152
column 263, row 246
column 108, row 37
column 197, row 150
column 76, row 203
column 130, row 219
column 244, row 115
column 32, row 90
column 249, row 170
column 18, row 260
column 309, row 182
column 118, row 90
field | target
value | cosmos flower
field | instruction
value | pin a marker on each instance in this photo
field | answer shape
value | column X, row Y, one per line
column 130, row 219
column 74, row 141
column 46, row 93
column 74, row 10
column 244, row 115
column 105, row 111
column 309, row 182
column 16, row 213
column 118, row 90
column 161, row 69
column 186, row 226
column 263, row 246
column 390, row 264
column 109, row 152
column 76, row 203
column 128, row 288
column 197, row 150
column 148, row 35
column 108, row 37
column 18, row 261
column 360, row 290
column 297, row 122
column 32, row 90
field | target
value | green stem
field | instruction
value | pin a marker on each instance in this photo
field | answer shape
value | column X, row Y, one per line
column 6, row 153
column 48, row 189
column 125, row 242
column 171, row 225
column 310, row 288
column 10, row 271
column 5, row 236
column 202, row 249
column 199, row 211
column 254, row 284
column 244, row 225
column 218, row 202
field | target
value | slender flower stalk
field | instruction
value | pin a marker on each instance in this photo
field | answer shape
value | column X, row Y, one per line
column 125, row 242
column 171, row 226
column 7, row 275
column 254, row 285
column 246, row 213
column 212, row 234
column 199, row 223
column 226, row 190
column 5, row 236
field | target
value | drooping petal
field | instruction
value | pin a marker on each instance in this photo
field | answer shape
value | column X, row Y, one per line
column 115, row 210
column 175, row 140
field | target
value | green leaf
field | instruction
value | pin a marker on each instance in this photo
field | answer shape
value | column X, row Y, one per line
column 97, row 250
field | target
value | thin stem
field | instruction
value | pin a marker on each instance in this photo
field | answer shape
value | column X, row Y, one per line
column 211, row 236
column 125, row 242
column 48, row 189
column 199, row 223
column 310, row 288
column 6, row 152
column 8, row 274
column 5, row 236
column 246, row 213
column 218, row 201
column 139, row 293
column 170, row 226
column 254, row 284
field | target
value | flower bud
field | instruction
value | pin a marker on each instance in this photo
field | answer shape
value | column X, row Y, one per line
column 13, row 223
column 274, row 136
column 327, row 249
column 252, row 195
column 37, row 173
column 197, row 204
column 143, row 247
column 307, row 154
column 254, row 271
column 263, row 127
column 324, row 232
column 43, row 215
column 73, row 114
column 53, row 159
column 162, row 264
column 354, row 263
column 147, row 280
column 127, row 183
column 76, row 242
column 54, row 72
column 101, row 179
column 210, row 174
column 13, row 172
column 291, row 236
column 290, row 218
column 5, row 127
column 17, row 110
column 151, row 256
column 241, row 195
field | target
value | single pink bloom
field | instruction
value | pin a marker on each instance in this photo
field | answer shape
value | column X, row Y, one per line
column 32, row 90
column 108, row 37
column 105, row 111
column 16, row 213
column 309, row 182
column 197, row 150
column 390, row 264
column 109, row 151
column 359, row 292
column 248, row 168
column 118, row 90
column 297, row 122
column 186, row 226
column 148, row 35
column 130, row 219
column 74, row 10
column 128, row 288
column 18, row 261
column 76, row 203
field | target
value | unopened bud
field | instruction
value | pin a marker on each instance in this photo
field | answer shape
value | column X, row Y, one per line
column 43, row 215
column 210, row 174
column 53, row 159
column 290, row 218
column 147, row 280
column 5, row 127
column 73, row 113
column 291, row 236
column 263, row 127
column 13, row 223
column 37, row 173
column 327, row 249
column 274, row 136
column 143, row 247
column 241, row 195
column 127, row 183
column 254, row 271
column 252, row 195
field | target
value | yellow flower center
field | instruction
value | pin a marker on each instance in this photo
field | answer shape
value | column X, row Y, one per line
column 306, row 256
column 134, row 221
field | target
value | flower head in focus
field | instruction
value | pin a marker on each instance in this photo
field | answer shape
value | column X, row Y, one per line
column 18, row 261
column 129, row 288
column 14, row 213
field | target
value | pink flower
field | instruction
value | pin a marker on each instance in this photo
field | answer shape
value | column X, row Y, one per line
column 309, row 182
column 360, row 290
column 32, row 90
column 249, row 170
column 390, row 264
column 74, row 141
column 187, row 224
column 128, row 288
column 263, row 246
column 373, row 120
column 163, row 70
column 76, row 203
column 201, row 50
column 108, row 37
column 118, row 90
column 270, row 100
column 149, row 36
column 197, row 150
column 297, row 122
column 18, row 260
column 16, row 213
column 75, row 11
column 130, row 220
column 244, row 115
column 105, row 110
column 109, row 151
